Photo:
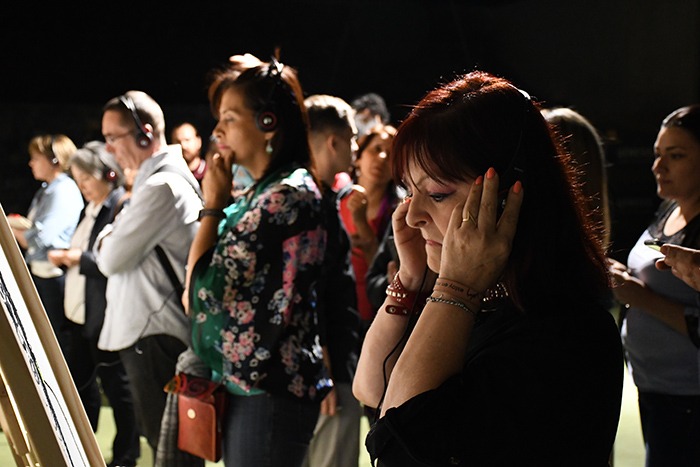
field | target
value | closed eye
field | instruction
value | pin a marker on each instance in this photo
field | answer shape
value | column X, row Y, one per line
column 439, row 197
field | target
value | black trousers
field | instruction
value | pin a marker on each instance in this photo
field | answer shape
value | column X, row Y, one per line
column 88, row 364
column 51, row 293
column 150, row 364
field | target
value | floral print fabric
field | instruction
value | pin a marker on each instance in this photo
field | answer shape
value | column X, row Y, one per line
column 254, row 306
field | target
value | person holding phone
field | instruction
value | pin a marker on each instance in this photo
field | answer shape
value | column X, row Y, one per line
column 659, row 328
column 683, row 262
column 483, row 352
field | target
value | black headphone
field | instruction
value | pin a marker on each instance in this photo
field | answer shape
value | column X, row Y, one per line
column 108, row 173
column 144, row 137
column 266, row 118
column 54, row 159
column 516, row 167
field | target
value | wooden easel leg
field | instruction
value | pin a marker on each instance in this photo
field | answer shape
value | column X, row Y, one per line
column 12, row 427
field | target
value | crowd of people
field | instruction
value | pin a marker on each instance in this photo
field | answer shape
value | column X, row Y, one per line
column 447, row 277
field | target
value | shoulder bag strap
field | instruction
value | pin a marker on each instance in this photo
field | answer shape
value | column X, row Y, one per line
column 177, row 285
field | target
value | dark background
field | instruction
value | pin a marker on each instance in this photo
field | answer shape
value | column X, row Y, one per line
column 624, row 64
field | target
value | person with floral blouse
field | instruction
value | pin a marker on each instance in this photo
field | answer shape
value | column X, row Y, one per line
column 254, row 265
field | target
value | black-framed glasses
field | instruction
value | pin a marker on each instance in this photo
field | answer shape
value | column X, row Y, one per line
column 111, row 139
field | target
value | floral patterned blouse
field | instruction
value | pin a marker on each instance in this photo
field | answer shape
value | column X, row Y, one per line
column 253, row 299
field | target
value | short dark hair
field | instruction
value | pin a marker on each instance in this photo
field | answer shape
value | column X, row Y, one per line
column 375, row 103
column 328, row 113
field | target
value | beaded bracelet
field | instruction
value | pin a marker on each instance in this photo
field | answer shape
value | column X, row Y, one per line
column 403, row 297
column 456, row 303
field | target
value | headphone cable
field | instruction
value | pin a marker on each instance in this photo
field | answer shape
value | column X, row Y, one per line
column 412, row 319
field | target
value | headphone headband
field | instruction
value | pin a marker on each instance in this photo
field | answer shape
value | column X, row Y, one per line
column 266, row 118
column 144, row 137
column 54, row 159
column 516, row 167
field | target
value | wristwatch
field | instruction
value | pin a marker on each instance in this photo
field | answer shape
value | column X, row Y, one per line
column 218, row 213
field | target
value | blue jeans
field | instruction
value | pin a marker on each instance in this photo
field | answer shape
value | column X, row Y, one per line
column 671, row 429
column 268, row 430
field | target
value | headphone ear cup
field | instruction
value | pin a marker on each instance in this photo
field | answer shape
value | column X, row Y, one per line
column 110, row 175
column 144, row 138
column 266, row 120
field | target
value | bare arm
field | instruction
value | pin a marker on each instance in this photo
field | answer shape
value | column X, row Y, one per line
column 370, row 383
column 217, row 184
column 632, row 291
column 437, row 346
column 364, row 237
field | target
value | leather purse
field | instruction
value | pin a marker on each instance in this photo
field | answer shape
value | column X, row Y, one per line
column 199, row 425
column 201, row 405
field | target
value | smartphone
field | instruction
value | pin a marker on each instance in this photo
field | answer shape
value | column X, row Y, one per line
column 654, row 243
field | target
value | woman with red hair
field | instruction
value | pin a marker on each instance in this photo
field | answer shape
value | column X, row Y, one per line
column 494, row 345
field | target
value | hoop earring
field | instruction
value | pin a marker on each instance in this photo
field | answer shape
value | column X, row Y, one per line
column 268, row 147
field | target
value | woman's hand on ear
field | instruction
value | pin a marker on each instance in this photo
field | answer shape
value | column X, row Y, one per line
column 410, row 246
column 478, row 243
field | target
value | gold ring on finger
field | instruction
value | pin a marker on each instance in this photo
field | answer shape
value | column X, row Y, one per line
column 469, row 218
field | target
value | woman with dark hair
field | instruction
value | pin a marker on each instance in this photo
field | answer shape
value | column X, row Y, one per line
column 493, row 346
column 254, row 265
column 366, row 205
column 583, row 142
column 660, row 326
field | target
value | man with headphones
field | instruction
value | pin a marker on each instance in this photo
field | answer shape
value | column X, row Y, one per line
column 144, row 319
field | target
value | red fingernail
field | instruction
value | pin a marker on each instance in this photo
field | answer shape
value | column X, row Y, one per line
column 517, row 188
column 479, row 180
column 490, row 173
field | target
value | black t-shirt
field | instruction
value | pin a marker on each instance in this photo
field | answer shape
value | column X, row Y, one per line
column 540, row 390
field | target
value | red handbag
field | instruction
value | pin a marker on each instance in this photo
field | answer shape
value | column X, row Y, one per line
column 201, row 405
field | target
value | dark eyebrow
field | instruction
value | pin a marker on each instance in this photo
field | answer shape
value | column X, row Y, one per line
column 669, row 148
